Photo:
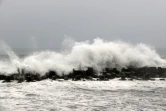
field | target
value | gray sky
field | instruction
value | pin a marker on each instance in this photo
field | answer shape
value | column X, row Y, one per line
column 44, row 23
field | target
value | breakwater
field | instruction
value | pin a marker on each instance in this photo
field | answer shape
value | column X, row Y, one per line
column 144, row 73
column 97, row 60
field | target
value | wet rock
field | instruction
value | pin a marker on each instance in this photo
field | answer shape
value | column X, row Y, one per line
column 152, row 79
column 66, row 78
column 2, row 77
column 130, row 79
column 101, row 78
column 29, row 77
column 78, row 77
column 138, row 78
column 37, row 77
column 7, row 79
column 162, row 79
column 89, row 72
column 146, row 76
column 21, row 78
column 52, row 75
column 114, row 70
column 131, row 73
column 14, row 76
column 123, row 76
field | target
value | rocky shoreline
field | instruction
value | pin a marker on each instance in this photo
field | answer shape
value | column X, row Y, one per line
column 144, row 73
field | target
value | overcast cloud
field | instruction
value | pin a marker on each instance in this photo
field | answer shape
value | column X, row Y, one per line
column 45, row 22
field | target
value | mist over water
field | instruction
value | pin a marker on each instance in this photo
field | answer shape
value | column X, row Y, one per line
column 98, row 54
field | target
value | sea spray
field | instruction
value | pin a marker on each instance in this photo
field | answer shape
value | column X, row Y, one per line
column 9, row 67
column 9, row 51
column 98, row 54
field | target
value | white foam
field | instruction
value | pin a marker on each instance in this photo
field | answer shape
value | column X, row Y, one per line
column 93, row 95
column 99, row 54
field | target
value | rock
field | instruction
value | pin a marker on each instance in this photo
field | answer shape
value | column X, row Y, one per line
column 51, row 75
column 101, row 78
column 2, row 77
column 89, row 72
column 162, row 79
column 7, row 79
column 66, row 78
column 123, row 76
column 130, row 79
column 78, row 77
column 152, row 79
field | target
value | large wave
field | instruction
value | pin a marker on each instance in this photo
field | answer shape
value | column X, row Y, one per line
column 98, row 54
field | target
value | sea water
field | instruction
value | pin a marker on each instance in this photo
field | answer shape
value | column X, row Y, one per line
column 113, row 95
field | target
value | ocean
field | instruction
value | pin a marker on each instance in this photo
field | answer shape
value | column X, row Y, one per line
column 112, row 95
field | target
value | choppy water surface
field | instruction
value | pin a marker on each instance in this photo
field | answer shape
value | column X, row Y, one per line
column 83, row 95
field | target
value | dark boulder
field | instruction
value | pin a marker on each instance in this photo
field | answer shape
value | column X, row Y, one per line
column 123, row 76
column 21, row 78
column 7, row 79
column 2, row 77
column 162, row 79
column 52, row 75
